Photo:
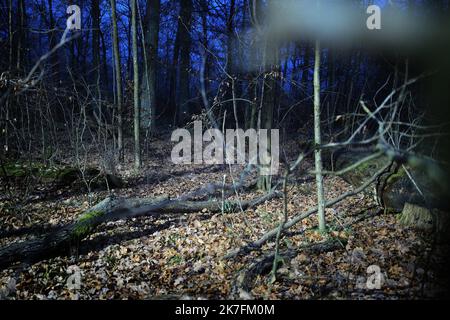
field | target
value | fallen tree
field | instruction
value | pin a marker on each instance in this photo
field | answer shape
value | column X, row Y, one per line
column 389, row 186
column 289, row 224
column 61, row 175
column 110, row 209
column 244, row 281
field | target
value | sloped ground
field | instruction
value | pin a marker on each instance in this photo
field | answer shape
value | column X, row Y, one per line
column 174, row 256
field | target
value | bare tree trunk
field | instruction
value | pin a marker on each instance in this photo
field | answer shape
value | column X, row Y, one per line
column 204, row 18
column 185, row 60
column 305, row 72
column 105, row 78
column 129, row 48
column 255, row 9
column 54, row 61
column 137, row 146
column 172, row 101
column 10, row 34
column 118, row 69
column 266, row 113
column 270, row 62
column 230, row 42
column 318, row 141
column 95, row 14
column 148, row 85
column 21, row 35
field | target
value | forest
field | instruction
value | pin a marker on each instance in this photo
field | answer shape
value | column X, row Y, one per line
column 224, row 149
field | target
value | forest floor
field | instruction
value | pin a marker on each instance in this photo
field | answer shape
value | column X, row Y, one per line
column 181, row 256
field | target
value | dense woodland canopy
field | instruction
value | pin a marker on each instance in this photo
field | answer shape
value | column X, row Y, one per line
column 178, row 43
column 86, row 118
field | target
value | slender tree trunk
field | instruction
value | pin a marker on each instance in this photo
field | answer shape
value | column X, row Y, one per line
column 10, row 34
column 270, row 61
column 230, row 66
column 172, row 101
column 244, row 83
column 271, row 67
column 318, row 141
column 305, row 73
column 5, row 148
column 185, row 61
column 95, row 14
column 137, row 146
column 54, row 61
column 21, row 35
column 118, row 70
column 230, row 41
column 148, row 85
column 105, row 78
column 204, row 18
column 129, row 47
column 255, row 9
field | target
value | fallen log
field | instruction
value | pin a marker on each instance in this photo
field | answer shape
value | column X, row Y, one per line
column 52, row 243
column 61, row 175
column 62, row 239
column 243, row 283
column 289, row 224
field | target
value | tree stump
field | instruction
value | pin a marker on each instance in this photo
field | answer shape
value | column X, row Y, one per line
column 416, row 217
column 399, row 185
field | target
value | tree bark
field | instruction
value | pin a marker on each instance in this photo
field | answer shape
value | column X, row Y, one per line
column 318, row 141
column 185, row 61
column 10, row 35
column 254, row 8
column 95, row 14
column 173, row 100
column 305, row 72
column 204, row 19
column 270, row 83
column 405, row 182
column 148, row 85
column 137, row 117
column 118, row 78
column 300, row 217
column 54, row 61
column 21, row 51
column 109, row 209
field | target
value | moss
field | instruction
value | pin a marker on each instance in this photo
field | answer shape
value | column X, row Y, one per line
column 83, row 225
column 416, row 216
column 369, row 168
column 388, row 210
column 393, row 178
column 20, row 170
column 362, row 172
column 66, row 175
column 367, row 165
column 16, row 170
column 90, row 215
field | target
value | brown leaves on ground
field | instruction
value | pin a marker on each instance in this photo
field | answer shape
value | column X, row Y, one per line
column 182, row 255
